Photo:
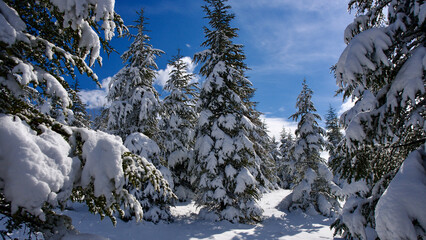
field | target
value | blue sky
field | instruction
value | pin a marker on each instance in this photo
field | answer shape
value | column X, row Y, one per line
column 284, row 41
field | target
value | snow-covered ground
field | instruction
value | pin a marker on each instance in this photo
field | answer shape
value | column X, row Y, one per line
column 276, row 225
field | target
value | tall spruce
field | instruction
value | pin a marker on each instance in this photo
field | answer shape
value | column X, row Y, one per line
column 224, row 153
column 135, row 105
column 286, row 165
column 314, row 189
column 264, row 169
column 276, row 156
column 81, row 117
column 382, row 70
column 178, row 125
column 334, row 135
column 133, row 115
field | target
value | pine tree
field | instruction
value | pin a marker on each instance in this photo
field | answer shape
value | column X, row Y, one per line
column 134, row 101
column 314, row 189
column 178, row 124
column 41, row 43
column 133, row 115
column 275, row 149
column 286, row 166
column 275, row 155
column 101, row 120
column 265, row 169
column 223, row 150
column 382, row 70
column 81, row 117
column 334, row 136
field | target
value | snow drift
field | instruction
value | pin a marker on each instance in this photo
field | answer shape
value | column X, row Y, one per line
column 401, row 212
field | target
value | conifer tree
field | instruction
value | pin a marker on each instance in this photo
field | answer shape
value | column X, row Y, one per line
column 178, row 125
column 133, row 115
column 81, row 117
column 134, row 101
column 265, row 169
column 101, row 120
column 224, row 153
column 275, row 155
column 286, row 166
column 382, row 70
column 314, row 189
column 334, row 136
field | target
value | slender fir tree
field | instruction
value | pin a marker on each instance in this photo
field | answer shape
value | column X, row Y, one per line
column 314, row 189
column 133, row 115
column 275, row 154
column 264, row 169
column 224, row 153
column 286, row 165
column 134, row 101
column 81, row 117
column 334, row 135
column 178, row 124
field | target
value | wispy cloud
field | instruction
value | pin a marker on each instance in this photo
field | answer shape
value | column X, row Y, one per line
column 293, row 34
column 163, row 74
column 276, row 125
column 96, row 98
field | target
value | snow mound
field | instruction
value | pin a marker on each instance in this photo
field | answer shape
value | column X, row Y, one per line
column 102, row 153
column 401, row 212
column 140, row 144
column 34, row 169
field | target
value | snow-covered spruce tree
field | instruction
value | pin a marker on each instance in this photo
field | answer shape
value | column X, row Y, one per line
column 43, row 162
column 275, row 151
column 314, row 190
column 334, row 136
column 383, row 70
column 264, row 169
column 134, row 101
column 133, row 115
column 275, row 154
column 177, row 126
column 286, row 165
column 81, row 117
column 223, row 151
column 101, row 120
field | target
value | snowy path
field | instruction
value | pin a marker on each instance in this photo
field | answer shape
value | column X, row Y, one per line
column 276, row 225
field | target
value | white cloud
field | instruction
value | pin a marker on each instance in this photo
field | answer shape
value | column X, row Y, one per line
column 276, row 125
column 163, row 74
column 294, row 34
column 188, row 45
column 96, row 98
column 348, row 104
